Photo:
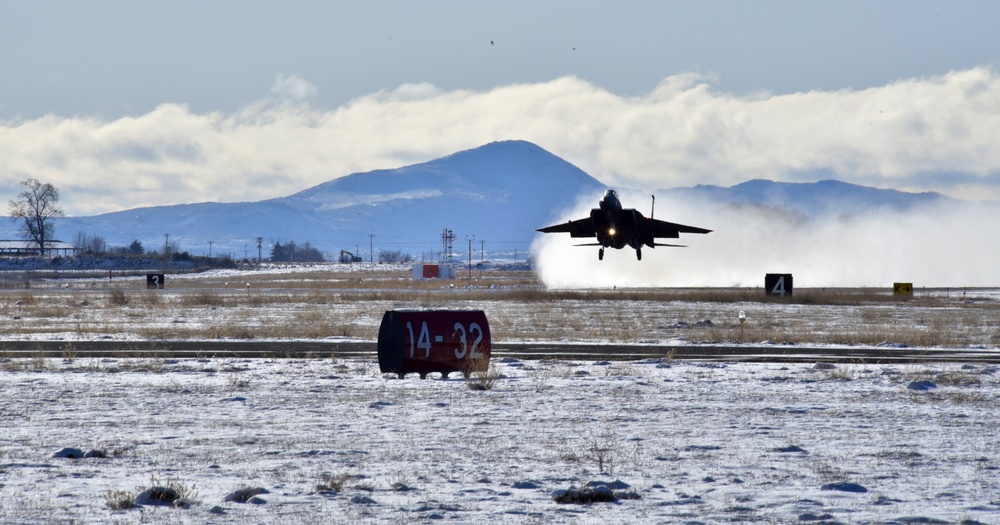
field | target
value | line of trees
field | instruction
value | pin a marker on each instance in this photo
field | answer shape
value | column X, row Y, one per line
column 96, row 245
column 393, row 256
column 291, row 252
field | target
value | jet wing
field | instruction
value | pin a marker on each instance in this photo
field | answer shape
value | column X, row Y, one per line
column 671, row 230
column 578, row 228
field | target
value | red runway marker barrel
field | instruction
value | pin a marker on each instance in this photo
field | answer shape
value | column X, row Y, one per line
column 424, row 341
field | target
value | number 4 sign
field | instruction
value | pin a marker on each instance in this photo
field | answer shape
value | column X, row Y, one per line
column 778, row 284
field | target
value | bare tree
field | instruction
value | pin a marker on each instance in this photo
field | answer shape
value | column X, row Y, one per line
column 34, row 209
column 393, row 256
column 91, row 244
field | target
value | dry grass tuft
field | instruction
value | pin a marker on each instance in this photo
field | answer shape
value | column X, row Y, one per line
column 203, row 298
column 117, row 297
column 171, row 492
column 480, row 377
column 332, row 482
column 119, row 499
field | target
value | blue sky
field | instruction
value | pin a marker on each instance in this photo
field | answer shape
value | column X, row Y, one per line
column 125, row 58
column 170, row 102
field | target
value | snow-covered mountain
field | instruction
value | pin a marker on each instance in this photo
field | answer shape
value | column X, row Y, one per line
column 497, row 194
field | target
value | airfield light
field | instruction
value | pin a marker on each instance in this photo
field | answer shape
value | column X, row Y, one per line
column 743, row 319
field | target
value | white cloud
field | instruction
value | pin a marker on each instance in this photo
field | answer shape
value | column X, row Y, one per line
column 934, row 133
column 293, row 87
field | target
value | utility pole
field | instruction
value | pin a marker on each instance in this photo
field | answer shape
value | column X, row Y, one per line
column 371, row 250
column 470, row 239
column 209, row 249
column 446, row 237
column 482, row 251
column 260, row 242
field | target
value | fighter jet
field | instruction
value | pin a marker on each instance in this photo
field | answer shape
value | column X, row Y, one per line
column 616, row 228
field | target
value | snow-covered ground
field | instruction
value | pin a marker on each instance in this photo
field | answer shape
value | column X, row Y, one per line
column 337, row 441
column 683, row 442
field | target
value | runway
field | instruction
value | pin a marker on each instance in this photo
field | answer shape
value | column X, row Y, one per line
column 517, row 350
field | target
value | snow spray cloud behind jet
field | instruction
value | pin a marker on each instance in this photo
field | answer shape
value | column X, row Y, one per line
column 616, row 228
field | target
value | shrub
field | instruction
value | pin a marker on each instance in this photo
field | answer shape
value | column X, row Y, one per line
column 170, row 493
column 595, row 492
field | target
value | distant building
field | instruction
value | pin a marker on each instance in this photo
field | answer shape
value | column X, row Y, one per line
column 22, row 248
column 433, row 271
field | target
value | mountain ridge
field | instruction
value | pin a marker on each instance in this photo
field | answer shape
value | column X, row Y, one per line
column 838, row 197
column 496, row 194
column 475, row 193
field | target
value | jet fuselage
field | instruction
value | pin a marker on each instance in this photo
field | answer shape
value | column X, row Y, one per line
column 617, row 228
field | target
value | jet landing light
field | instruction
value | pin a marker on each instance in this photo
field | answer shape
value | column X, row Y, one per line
column 611, row 232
